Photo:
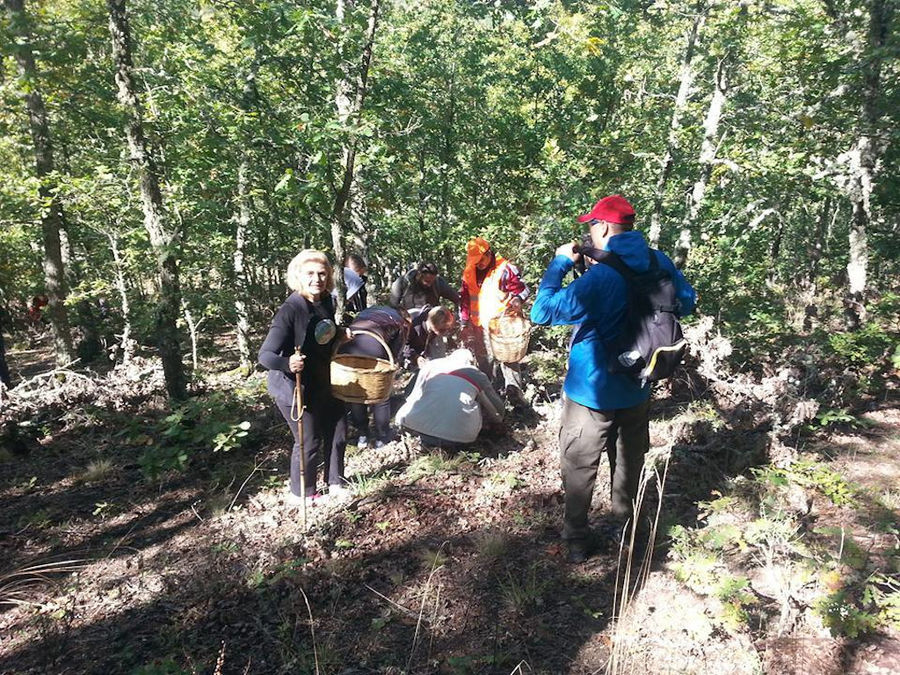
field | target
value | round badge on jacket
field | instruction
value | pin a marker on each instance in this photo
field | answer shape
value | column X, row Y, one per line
column 325, row 331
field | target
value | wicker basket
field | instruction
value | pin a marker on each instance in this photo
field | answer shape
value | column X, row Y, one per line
column 509, row 338
column 363, row 379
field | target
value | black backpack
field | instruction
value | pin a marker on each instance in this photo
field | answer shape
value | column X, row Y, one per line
column 651, row 345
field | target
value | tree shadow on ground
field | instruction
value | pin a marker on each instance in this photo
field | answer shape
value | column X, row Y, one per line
column 441, row 598
column 417, row 579
column 49, row 511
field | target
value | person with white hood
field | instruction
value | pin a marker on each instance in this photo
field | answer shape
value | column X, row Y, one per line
column 355, row 270
column 451, row 402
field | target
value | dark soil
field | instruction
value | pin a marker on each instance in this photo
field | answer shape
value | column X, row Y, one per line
column 441, row 563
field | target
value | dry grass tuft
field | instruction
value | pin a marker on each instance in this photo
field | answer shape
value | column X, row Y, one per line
column 492, row 545
column 97, row 471
column 16, row 585
column 627, row 587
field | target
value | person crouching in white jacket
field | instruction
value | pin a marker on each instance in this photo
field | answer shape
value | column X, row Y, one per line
column 451, row 401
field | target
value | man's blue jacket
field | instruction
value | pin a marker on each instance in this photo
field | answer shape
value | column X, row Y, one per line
column 596, row 303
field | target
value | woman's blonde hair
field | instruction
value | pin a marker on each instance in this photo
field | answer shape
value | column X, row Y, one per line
column 305, row 256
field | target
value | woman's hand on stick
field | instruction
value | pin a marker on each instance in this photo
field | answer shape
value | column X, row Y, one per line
column 296, row 362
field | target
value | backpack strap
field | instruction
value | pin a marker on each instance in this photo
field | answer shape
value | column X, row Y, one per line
column 615, row 261
column 609, row 259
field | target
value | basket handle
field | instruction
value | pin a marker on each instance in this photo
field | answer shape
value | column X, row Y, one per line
column 528, row 326
column 354, row 333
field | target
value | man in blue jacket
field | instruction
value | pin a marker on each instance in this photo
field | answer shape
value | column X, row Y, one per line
column 602, row 411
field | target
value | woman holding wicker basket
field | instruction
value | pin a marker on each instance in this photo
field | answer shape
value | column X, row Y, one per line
column 301, row 341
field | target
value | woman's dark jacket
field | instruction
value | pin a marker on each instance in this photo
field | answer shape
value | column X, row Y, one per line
column 295, row 324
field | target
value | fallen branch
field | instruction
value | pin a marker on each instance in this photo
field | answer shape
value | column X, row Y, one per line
column 405, row 610
column 25, row 384
column 256, row 467
column 199, row 517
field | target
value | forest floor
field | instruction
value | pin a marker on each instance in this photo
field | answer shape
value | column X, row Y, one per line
column 138, row 540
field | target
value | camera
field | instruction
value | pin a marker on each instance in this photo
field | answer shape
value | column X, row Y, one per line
column 586, row 244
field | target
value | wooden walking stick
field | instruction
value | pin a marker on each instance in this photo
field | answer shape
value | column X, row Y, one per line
column 298, row 405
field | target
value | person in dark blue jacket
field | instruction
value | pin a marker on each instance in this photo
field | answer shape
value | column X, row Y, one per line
column 602, row 411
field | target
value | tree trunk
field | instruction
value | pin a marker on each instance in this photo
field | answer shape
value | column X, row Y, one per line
column 707, row 160
column 193, row 331
column 86, row 312
column 52, row 215
column 126, row 343
column 240, row 278
column 4, row 367
column 448, row 155
column 242, row 224
column 686, row 79
column 865, row 160
column 359, row 216
column 816, row 245
column 422, row 192
column 162, row 239
column 814, row 255
column 775, row 250
column 349, row 97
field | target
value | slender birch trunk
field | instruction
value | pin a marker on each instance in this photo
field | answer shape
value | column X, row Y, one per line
column 349, row 97
column 242, row 326
column 865, row 162
column 126, row 343
column 52, row 214
column 193, row 331
column 163, row 239
column 242, row 224
column 686, row 79
column 707, row 160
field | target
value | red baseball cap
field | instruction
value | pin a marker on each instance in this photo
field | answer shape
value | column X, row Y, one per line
column 612, row 209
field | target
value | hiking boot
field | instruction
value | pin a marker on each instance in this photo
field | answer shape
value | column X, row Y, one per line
column 577, row 551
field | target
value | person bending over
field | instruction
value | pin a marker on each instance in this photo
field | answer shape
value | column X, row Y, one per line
column 452, row 402
column 392, row 326
column 428, row 327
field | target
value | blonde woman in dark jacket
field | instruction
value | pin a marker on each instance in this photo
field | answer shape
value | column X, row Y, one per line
column 306, row 320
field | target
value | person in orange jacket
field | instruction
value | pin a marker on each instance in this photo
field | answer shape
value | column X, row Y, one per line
column 491, row 286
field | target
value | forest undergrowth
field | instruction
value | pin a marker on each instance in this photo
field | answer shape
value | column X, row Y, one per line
column 141, row 538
